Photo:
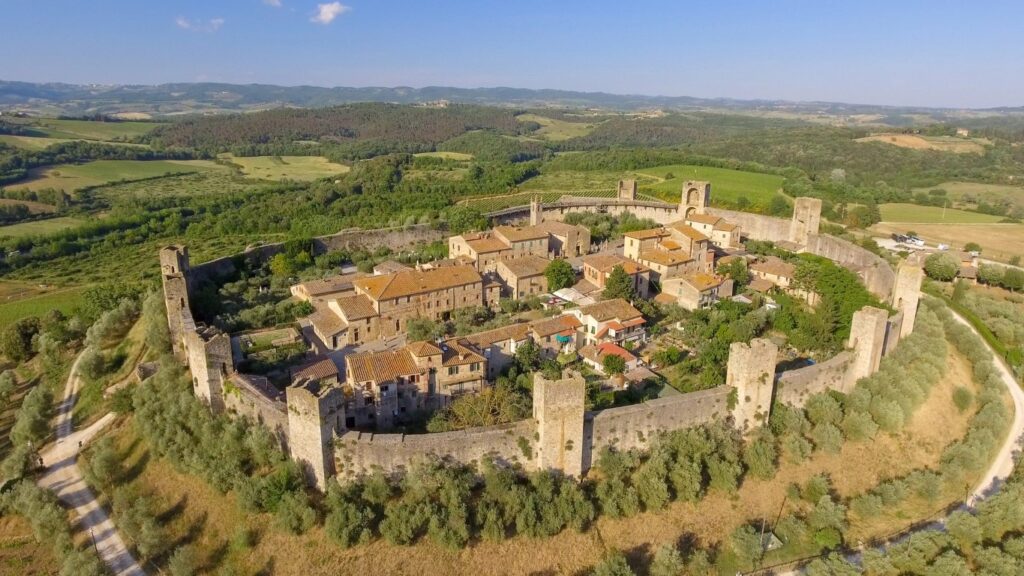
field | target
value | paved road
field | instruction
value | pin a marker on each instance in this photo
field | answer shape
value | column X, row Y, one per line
column 63, row 477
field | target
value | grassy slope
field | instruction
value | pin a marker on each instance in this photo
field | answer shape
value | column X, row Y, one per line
column 556, row 130
column 64, row 300
column 70, row 177
column 728, row 185
column 36, row 227
column 89, row 130
column 301, row 168
column 898, row 212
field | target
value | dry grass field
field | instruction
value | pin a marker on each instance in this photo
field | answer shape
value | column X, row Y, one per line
column 33, row 207
column 998, row 241
column 557, row 130
column 302, row 168
column 941, row 143
column 20, row 553
column 197, row 514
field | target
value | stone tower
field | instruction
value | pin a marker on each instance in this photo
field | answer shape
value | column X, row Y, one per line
column 210, row 361
column 806, row 220
column 696, row 197
column 536, row 215
column 867, row 340
column 751, row 372
column 315, row 415
column 174, row 269
column 906, row 293
column 627, row 190
column 558, row 407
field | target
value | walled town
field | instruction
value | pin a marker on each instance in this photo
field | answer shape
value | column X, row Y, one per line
column 363, row 377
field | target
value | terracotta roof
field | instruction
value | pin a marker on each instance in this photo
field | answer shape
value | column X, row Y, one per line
column 381, row 366
column 665, row 258
column 331, row 284
column 606, row 262
column 702, row 281
column 517, row 332
column 775, row 267
column 617, row 309
column 557, row 228
column 597, row 353
column 423, row 348
column 969, row 272
column 556, row 325
column 761, row 285
column 520, row 233
column 728, row 259
column 725, row 226
column 316, row 370
column 669, row 245
column 327, row 323
column 458, row 352
column 355, row 307
column 412, row 282
column 526, row 265
column 390, row 267
column 647, row 234
column 665, row 298
column 688, row 231
column 487, row 244
column 703, row 218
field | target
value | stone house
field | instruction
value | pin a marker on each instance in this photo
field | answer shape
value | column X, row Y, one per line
column 498, row 346
column 322, row 370
column 722, row 233
column 594, row 355
column 324, row 289
column 566, row 240
column 774, row 270
column 384, row 388
column 544, row 239
column 556, row 335
column 692, row 291
column 597, row 268
column 523, row 277
column 610, row 321
column 671, row 250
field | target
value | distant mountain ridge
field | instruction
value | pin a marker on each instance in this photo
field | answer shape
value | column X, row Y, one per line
column 207, row 97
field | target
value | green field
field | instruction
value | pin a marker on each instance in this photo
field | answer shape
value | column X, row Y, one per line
column 33, row 207
column 913, row 213
column 970, row 193
column 64, row 300
column 726, row 185
column 37, row 227
column 30, row 142
column 569, row 181
column 303, row 168
column 71, row 177
column 460, row 156
column 556, row 130
column 85, row 129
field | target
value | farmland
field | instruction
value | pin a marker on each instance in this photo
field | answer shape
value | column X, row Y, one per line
column 458, row 156
column 86, row 129
column 301, row 168
column 39, row 227
column 33, row 207
column 998, row 241
column 556, row 130
column 912, row 213
column 20, row 302
column 941, row 143
column 970, row 193
column 71, row 177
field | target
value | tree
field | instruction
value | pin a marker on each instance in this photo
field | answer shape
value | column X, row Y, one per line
column 759, row 455
column 613, row 364
column 614, row 565
column 735, row 269
column 779, row 206
column 990, row 274
column 464, row 219
column 667, row 562
column 972, row 247
column 423, row 329
column 559, row 274
column 619, row 284
column 1013, row 279
column 941, row 266
column 281, row 266
column 16, row 339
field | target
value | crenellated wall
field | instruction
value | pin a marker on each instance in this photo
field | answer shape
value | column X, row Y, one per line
column 796, row 386
column 255, row 398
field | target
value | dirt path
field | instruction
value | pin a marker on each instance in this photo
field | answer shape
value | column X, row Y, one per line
column 63, row 477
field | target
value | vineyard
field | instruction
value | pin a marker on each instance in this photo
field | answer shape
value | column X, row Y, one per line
column 494, row 203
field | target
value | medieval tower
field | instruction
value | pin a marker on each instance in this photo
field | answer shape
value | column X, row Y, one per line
column 867, row 340
column 751, row 372
column 806, row 220
column 174, row 269
column 906, row 294
column 315, row 414
column 627, row 190
column 558, row 407
column 696, row 197
column 536, row 214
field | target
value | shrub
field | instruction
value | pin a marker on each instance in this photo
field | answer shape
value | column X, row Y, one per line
column 667, row 562
column 614, row 565
column 962, row 398
column 294, row 514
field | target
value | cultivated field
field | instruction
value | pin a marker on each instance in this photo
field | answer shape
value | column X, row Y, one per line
column 727, row 185
column 912, row 213
column 460, row 156
column 556, row 130
column 18, row 300
column 303, row 168
column 998, row 241
column 969, row 193
column 30, row 142
column 569, row 181
column 942, row 143
column 71, row 177
column 33, row 207
column 85, row 129
column 39, row 227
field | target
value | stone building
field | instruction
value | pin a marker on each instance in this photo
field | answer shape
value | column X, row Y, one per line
column 610, row 321
column 383, row 388
column 523, row 277
column 723, row 234
column 566, row 240
column 324, row 289
column 774, row 270
column 670, row 250
column 543, row 239
column 381, row 306
column 692, row 291
column 598, row 267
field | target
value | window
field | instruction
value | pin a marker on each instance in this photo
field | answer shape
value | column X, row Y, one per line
column 453, row 370
column 474, row 367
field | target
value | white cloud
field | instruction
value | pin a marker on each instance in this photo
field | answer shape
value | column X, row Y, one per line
column 274, row 3
column 326, row 13
column 211, row 25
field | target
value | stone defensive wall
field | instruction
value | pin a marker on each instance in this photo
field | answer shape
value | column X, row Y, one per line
column 561, row 435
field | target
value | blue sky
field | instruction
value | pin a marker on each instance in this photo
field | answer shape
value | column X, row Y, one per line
column 901, row 52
